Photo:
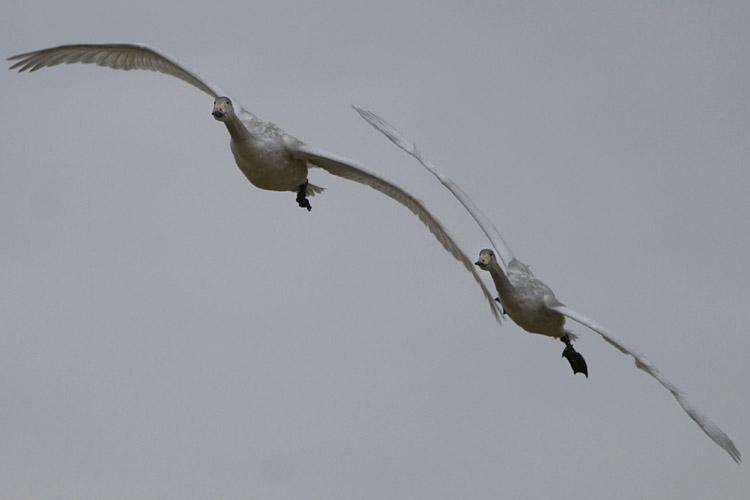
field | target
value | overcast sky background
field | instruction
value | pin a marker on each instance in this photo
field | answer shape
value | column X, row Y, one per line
column 171, row 331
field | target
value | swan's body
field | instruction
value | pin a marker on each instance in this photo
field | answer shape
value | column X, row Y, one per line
column 262, row 152
column 270, row 158
column 526, row 299
column 532, row 305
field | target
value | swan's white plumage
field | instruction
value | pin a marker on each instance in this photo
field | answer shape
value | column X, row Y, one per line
column 348, row 169
column 125, row 56
column 711, row 429
column 269, row 157
column 484, row 223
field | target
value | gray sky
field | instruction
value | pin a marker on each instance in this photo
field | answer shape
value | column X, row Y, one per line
column 170, row 331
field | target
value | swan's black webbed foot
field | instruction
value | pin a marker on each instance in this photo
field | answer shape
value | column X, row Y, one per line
column 302, row 200
column 577, row 363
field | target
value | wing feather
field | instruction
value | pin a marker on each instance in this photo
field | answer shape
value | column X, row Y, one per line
column 399, row 140
column 348, row 169
column 125, row 56
column 711, row 429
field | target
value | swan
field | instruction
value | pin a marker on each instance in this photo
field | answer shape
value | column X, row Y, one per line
column 532, row 305
column 270, row 158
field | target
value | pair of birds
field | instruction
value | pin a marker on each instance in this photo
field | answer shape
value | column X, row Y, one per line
column 273, row 160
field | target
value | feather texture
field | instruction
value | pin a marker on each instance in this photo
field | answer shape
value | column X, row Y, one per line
column 712, row 430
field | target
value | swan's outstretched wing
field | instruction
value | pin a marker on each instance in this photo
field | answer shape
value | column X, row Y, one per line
column 399, row 140
column 711, row 429
column 126, row 56
column 348, row 169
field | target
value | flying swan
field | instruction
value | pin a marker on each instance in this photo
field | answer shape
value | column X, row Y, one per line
column 269, row 157
column 531, row 304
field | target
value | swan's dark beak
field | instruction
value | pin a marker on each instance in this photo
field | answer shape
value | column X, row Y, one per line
column 478, row 263
column 218, row 113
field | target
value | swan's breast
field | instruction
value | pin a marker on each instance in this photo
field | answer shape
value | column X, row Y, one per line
column 267, row 164
column 529, row 307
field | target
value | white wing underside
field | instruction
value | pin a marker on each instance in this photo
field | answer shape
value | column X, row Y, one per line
column 351, row 170
column 399, row 140
column 125, row 56
column 712, row 430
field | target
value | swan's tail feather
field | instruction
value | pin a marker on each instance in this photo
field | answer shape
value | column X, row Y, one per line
column 312, row 189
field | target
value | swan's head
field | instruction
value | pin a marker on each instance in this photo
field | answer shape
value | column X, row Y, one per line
column 223, row 109
column 486, row 259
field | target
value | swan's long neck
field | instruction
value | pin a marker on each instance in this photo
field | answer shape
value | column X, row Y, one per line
column 237, row 129
column 502, row 283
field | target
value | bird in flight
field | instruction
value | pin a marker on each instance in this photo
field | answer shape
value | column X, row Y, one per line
column 270, row 158
column 531, row 304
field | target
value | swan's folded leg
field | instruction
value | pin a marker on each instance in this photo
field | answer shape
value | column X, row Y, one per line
column 577, row 363
column 302, row 200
